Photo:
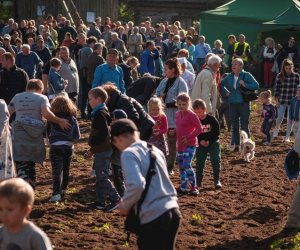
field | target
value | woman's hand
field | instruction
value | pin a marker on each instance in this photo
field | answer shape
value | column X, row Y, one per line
column 122, row 210
column 242, row 83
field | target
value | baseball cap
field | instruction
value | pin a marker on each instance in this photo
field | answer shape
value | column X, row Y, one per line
column 6, row 36
column 122, row 126
column 113, row 52
column 119, row 114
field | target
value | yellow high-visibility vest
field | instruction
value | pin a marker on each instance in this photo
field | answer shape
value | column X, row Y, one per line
column 244, row 56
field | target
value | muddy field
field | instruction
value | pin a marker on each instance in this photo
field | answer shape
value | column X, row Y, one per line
column 246, row 214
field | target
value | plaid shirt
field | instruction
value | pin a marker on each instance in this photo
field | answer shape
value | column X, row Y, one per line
column 287, row 89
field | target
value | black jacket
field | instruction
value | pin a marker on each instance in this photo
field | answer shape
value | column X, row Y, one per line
column 117, row 100
column 143, row 88
column 12, row 82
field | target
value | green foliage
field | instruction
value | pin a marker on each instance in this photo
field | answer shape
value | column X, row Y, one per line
column 126, row 244
column 104, row 227
column 125, row 13
column 196, row 218
column 288, row 243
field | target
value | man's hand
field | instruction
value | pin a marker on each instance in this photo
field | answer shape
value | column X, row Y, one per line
column 122, row 210
column 64, row 124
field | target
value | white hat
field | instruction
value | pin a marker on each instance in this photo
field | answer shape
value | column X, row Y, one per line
column 182, row 60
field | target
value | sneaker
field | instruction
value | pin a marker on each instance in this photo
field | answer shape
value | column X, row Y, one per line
column 218, row 185
column 112, row 206
column 275, row 133
column 267, row 143
column 181, row 191
column 55, row 198
column 97, row 205
column 287, row 139
column 194, row 191
column 93, row 173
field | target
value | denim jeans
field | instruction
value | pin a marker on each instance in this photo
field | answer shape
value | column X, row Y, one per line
column 161, row 233
column 60, row 156
column 199, row 64
column 215, row 157
column 265, row 129
column 239, row 117
column 104, row 187
column 280, row 115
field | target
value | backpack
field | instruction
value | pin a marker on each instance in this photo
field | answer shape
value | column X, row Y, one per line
column 291, row 164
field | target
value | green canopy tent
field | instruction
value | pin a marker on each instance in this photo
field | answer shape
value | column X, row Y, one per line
column 240, row 16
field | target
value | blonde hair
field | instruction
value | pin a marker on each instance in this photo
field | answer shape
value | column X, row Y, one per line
column 63, row 105
column 155, row 101
column 16, row 190
column 266, row 95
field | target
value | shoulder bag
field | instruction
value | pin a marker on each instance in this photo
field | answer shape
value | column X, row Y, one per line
column 248, row 94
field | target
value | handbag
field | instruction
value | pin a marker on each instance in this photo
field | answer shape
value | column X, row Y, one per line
column 132, row 222
column 248, row 94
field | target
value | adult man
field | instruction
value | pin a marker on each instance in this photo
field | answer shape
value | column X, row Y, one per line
column 230, row 48
column 148, row 58
column 7, row 46
column 201, row 51
column 69, row 72
column 77, row 46
column 291, row 50
column 205, row 86
column 117, row 43
column 109, row 72
column 241, row 49
column 190, row 47
column 106, row 35
column 66, row 28
column 45, row 55
column 28, row 60
column 95, row 59
column 159, row 213
column 6, row 29
column 13, row 80
column 142, row 89
column 94, row 31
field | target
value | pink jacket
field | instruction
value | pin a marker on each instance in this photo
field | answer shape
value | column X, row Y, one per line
column 161, row 124
column 187, row 125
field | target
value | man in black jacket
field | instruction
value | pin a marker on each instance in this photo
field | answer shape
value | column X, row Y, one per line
column 13, row 80
column 142, row 89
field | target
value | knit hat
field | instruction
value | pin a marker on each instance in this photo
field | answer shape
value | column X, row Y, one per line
column 122, row 126
column 119, row 114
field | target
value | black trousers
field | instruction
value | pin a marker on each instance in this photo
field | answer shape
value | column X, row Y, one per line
column 161, row 233
column 26, row 171
column 60, row 157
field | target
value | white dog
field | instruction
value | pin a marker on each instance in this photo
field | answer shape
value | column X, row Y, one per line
column 247, row 147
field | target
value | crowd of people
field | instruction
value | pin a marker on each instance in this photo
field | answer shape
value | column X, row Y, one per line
column 152, row 84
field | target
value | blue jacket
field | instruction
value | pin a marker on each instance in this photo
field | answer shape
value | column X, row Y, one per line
column 294, row 109
column 235, row 96
column 104, row 73
column 29, row 63
column 56, row 82
column 148, row 61
column 71, row 134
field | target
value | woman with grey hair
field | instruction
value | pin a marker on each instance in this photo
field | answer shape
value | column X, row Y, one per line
column 239, row 110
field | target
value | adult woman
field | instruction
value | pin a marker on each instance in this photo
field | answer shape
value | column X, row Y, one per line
column 168, row 90
column 285, row 88
column 239, row 110
column 269, row 53
column 28, row 128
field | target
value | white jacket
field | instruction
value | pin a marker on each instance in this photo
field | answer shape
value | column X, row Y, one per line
column 205, row 88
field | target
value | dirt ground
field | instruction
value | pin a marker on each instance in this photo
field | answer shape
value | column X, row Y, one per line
column 249, row 210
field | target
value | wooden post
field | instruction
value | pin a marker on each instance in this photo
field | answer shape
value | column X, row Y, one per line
column 68, row 12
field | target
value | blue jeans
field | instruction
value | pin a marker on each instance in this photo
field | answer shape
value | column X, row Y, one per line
column 280, row 115
column 239, row 117
column 104, row 186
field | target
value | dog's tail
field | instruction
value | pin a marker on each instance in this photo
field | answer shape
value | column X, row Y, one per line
column 244, row 135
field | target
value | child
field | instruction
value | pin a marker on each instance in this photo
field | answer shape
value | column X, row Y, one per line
column 208, row 144
column 160, row 128
column 99, row 142
column 6, row 162
column 56, row 83
column 268, row 114
column 295, row 111
column 61, row 145
column 16, row 201
column 188, row 127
